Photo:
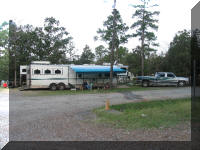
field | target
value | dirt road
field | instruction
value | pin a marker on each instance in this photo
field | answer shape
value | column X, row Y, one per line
column 65, row 117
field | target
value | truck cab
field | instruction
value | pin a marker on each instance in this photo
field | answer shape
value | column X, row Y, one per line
column 162, row 79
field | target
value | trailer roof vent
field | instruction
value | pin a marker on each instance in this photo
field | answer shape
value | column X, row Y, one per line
column 40, row 62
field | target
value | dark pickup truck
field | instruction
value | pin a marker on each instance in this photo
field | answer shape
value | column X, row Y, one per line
column 162, row 79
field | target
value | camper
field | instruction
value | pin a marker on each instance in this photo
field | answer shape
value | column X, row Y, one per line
column 43, row 74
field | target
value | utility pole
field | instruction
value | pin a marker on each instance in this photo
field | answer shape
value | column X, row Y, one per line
column 113, row 46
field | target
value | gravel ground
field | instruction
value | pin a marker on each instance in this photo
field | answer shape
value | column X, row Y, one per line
column 68, row 117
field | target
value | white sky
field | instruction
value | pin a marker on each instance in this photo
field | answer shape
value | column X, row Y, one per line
column 82, row 18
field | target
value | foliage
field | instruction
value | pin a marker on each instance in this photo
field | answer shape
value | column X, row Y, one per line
column 120, row 28
column 133, row 61
column 4, row 58
column 3, row 35
column 4, row 63
column 87, row 56
column 100, row 53
column 178, row 57
column 122, row 52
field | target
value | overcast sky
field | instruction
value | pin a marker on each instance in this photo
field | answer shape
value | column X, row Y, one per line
column 82, row 18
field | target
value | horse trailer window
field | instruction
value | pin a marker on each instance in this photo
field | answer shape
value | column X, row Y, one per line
column 47, row 71
column 37, row 71
column 57, row 71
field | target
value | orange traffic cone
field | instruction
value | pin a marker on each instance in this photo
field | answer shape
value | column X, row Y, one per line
column 107, row 105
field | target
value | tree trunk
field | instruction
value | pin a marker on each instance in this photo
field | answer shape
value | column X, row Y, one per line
column 112, row 52
column 142, row 57
column 142, row 46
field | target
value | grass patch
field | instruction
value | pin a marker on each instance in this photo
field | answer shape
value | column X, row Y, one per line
column 3, row 89
column 69, row 92
column 161, row 113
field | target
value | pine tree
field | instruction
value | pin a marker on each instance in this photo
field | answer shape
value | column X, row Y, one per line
column 144, row 24
column 114, row 34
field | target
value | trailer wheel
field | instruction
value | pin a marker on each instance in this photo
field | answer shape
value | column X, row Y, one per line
column 61, row 86
column 181, row 83
column 53, row 87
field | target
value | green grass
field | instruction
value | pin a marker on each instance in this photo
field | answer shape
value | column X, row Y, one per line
column 3, row 89
column 162, row 113
column 69, row 92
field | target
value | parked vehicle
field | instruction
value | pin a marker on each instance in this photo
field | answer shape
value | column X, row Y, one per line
column 42, row 74
column 162, row 79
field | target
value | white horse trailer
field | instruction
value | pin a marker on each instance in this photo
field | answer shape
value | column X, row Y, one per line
column 42, row 74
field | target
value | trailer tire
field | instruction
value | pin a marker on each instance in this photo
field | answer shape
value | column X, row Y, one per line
column 181, row 83
column 61, row 86
column 53, row 87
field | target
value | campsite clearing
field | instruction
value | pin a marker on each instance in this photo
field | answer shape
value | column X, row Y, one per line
column 70, row 117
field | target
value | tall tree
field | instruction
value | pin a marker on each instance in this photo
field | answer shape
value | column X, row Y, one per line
column 55, row 39
column 3, row 36
column 4, row 63
column 178, row 56
column 114, row 34
column 87, row 56
column 144, row 24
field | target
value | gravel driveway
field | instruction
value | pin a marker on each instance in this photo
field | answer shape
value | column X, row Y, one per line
column 67, row 117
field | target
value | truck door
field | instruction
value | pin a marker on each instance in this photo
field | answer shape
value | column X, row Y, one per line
column 171, row 78
column 160, row 79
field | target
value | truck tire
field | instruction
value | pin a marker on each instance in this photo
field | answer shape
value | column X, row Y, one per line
column 53, row 87
column 181, row 83
column 61, row 86
column 145, row 83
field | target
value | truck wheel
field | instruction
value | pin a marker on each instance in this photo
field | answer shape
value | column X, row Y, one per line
column 145, row 84
column 53, row 87
column 181, row 83
column 61, row 86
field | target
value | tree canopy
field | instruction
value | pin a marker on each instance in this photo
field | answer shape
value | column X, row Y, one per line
column 87, row 57
column 4, row 57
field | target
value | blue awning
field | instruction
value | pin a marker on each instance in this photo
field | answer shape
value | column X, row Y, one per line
column 96, row 69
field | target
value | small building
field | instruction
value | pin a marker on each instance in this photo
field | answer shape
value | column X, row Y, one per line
column 42, row 74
